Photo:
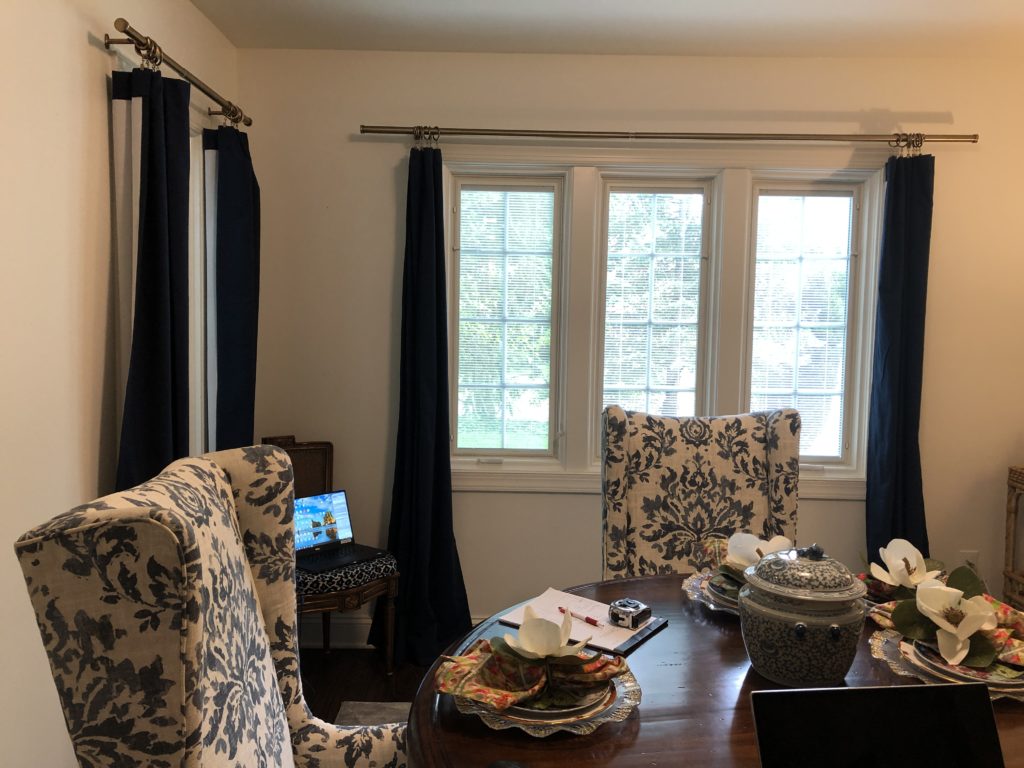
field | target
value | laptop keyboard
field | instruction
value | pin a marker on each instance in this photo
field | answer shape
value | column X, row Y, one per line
column 341, row 551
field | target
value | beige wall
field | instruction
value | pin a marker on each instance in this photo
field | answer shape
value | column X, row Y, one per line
column 57, row 357
column 333, row 228
column 332, row 244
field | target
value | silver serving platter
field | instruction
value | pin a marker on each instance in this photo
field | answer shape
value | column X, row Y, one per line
column 614, row 705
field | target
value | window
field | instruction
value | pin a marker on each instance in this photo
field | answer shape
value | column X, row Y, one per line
column 652, row 317
column 506, row 264
column 667, row 288
column 801, row 304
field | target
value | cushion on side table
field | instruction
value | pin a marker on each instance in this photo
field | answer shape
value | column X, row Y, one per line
column 346, row 577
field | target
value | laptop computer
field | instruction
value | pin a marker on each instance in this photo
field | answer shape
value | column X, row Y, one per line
column 323, row 534
column 938, row 726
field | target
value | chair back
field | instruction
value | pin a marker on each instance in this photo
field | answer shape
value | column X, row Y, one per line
column 168, row 614
column 312, row 463
column 674, row 490
column 149, row 614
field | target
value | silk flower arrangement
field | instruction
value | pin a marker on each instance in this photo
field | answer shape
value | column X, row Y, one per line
column 949, row 615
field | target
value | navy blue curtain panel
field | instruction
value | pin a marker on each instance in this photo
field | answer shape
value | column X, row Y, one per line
column 154, row 426
column 895, row 500
column 238, row 285
column 432, row 608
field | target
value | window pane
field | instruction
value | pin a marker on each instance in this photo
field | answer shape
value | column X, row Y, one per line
column 506, row 262
column 652, row 301
column 801, row 295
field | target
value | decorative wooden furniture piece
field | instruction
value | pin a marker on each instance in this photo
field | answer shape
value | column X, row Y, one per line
column 349, row 587
column 1013, row 577
column 696, row 681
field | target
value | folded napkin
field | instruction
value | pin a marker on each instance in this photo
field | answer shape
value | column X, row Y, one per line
column 1007, row 637
column 491, row 672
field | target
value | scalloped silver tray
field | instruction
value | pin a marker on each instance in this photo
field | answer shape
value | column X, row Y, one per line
column 889, row 646
column 622, row 698
column 696, row 588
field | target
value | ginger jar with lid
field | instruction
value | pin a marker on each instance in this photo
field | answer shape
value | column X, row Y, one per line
column 801, row 614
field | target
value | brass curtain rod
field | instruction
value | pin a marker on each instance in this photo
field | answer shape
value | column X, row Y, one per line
column 147, row 48
column 911, row 140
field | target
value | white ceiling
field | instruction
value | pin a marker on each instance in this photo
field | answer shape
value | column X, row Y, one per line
column 897, row 28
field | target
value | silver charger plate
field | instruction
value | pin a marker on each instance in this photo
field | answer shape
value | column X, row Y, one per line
column 696, row 588
column 614, row 705
column 889, row 646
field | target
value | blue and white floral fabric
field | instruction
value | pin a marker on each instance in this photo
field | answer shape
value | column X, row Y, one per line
column 168, row 615
column 674, row 490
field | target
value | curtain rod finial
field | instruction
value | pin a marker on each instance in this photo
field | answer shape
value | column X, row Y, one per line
column 120, row 24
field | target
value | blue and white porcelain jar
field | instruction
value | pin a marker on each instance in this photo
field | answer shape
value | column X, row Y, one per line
column 801, row 614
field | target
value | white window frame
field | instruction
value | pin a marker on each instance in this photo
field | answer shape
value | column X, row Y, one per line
column 496, row 179
column 732, row 174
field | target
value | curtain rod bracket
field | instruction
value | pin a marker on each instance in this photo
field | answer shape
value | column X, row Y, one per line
column 153, row 55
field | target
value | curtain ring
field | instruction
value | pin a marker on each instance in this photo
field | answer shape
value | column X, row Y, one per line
column 435, row 135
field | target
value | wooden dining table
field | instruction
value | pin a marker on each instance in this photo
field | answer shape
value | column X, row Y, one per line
column 696, row 681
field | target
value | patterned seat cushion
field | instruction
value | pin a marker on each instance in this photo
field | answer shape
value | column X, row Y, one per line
column 346, row 577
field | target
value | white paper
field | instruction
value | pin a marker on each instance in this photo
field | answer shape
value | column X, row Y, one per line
column 607, row 637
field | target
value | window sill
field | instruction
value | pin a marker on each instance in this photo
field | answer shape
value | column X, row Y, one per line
column 814, row 485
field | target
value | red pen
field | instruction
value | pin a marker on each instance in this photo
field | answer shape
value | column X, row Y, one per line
column 589, row 619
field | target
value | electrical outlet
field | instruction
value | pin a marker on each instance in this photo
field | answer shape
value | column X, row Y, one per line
column 970, row 557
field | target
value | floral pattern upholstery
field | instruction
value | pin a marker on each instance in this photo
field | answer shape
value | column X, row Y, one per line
column 674, row 490
column 168, row 615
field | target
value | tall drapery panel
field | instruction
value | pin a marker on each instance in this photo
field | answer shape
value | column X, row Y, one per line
column 432, row 607
column 895, row 500
column 151, row 177
column 233, row 282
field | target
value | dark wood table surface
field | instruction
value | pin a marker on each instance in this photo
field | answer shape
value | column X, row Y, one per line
column 696, row 682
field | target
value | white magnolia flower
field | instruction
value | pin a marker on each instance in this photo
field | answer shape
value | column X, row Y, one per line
column 956, row 618
column 746, row 549
column 905, row 565
column 539, row 637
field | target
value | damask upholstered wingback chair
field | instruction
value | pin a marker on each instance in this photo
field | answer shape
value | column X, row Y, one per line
column 675, row 490
column 168, row 615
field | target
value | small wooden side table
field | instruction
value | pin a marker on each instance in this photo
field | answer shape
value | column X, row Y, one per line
column 1013, row 577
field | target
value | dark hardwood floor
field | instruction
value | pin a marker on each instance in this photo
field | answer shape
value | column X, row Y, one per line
column 345, row 674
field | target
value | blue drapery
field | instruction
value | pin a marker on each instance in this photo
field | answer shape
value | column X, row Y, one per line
column 154, row 427
column 237, row 291
column 895, row 500
column 432, row 608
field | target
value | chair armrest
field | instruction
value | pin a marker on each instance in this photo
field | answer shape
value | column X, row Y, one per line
column 319, row 744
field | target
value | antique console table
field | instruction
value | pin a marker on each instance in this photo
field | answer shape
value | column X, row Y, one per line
column 696, row 682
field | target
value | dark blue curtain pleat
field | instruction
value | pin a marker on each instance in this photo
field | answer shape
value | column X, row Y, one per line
column 432, row 608
column 238, row 285
column 895, row 500
column 154, row 428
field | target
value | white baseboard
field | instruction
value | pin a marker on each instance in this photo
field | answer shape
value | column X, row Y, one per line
column 348, row 630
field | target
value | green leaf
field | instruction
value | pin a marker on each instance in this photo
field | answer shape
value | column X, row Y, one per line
column 911, row 623
column 967, row 581
column 931, row 564
column 903, row 593
column 731, row 572
column 982, row 652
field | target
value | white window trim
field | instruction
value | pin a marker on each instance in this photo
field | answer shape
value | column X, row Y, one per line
column 573, row 468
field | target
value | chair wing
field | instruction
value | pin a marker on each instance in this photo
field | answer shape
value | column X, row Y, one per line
column 674, row 490
column 154, row 606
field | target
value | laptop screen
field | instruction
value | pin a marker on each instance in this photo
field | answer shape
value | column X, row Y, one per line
column 322, row 521
column 938, row 726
